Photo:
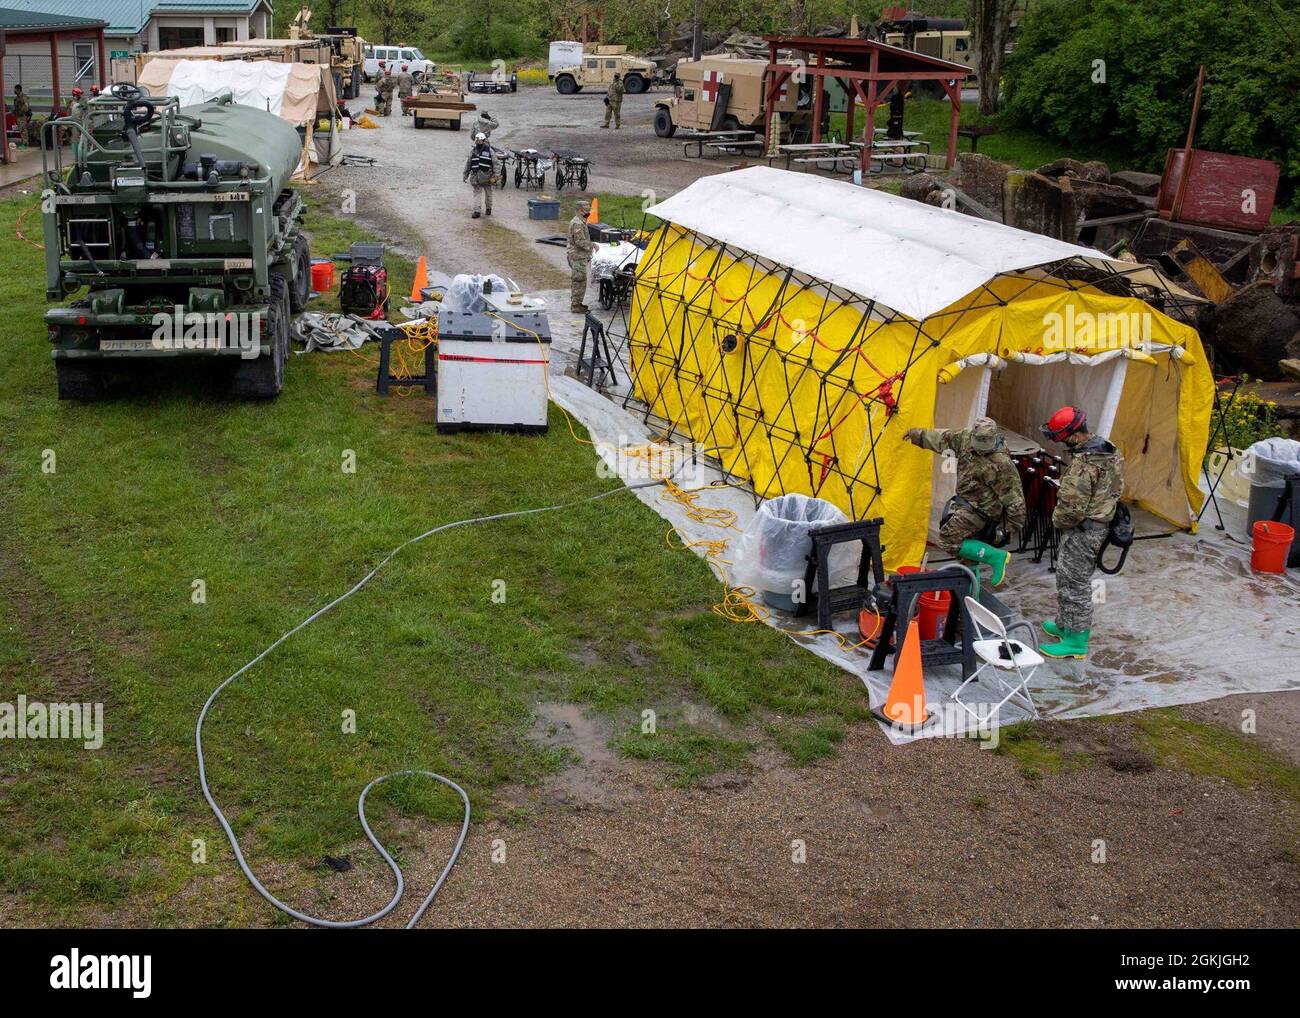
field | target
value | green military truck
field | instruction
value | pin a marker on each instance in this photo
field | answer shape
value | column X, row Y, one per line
column 181, row 228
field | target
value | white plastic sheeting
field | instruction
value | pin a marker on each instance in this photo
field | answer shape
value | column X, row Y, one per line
column 1186, row 621
column 841, row 233
column 287, row 90
column 607, row 259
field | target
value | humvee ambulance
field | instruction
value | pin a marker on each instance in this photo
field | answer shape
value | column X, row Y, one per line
column 598, row 67
column 721, row 93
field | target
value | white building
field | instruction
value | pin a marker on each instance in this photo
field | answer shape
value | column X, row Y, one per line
column 135, row 25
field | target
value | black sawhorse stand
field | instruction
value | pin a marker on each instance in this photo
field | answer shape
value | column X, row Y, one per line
column 954, row 644
column 429, row 380
column 601, row 359
column 817, row 577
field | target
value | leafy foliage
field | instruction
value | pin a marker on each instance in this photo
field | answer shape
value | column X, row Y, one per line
column 1122, row 72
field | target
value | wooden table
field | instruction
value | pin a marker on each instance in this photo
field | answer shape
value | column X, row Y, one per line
column 699, row 140
column 812, row 152
column 975, row 134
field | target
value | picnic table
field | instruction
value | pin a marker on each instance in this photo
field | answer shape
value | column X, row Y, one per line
column 702, row 138
column 813, row 152
column 907, row 153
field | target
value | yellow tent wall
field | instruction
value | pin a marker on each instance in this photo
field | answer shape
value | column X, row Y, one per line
column 818, row 398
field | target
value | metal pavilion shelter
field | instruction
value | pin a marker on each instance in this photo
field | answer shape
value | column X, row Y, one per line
column 868, row 71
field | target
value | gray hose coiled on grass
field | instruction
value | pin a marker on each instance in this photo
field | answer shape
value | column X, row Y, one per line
column 361, row 801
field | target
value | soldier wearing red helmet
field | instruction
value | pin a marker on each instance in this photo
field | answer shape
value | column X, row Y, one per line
column 1090, row 490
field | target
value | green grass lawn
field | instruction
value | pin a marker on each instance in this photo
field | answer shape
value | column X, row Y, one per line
column 171, row 482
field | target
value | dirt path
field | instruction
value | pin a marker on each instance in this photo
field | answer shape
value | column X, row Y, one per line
column 416, row 198
column 938, row 833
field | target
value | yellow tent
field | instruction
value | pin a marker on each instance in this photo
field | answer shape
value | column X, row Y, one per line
column 795, row 328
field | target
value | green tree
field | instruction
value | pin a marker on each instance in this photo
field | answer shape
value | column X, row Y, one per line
column 1119, row 74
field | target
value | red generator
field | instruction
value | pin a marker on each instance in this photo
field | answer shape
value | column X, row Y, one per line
column 364, row 290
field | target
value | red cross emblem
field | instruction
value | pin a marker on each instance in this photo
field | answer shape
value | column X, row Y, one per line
column 712, row 82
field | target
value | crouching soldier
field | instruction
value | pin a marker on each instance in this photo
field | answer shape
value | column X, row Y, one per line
column 989, row 499
column 578, row 251
column 479, row 168
column 1090, row 489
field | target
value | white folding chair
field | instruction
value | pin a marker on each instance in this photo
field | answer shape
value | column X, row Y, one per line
column 1001, row 657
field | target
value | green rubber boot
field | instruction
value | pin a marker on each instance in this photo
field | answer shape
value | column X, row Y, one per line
column 1073, row 643
column 1052, row 629
column 978, row 551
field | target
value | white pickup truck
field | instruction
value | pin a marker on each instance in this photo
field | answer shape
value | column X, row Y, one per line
column 395, row 56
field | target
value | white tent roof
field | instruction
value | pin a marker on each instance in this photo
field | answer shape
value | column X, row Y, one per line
column 290, row 91
column 913, row 258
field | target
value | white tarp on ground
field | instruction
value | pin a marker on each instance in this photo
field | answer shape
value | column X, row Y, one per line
column 1186, row 620
column 831, row 230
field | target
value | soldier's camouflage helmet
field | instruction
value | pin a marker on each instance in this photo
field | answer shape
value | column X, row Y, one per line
column 984, row 435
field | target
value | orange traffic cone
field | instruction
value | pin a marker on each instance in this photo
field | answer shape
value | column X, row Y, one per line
column 421, row 280
column 905, row 705
column 594, row 215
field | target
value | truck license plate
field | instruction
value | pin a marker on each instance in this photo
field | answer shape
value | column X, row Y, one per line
column 126, row 344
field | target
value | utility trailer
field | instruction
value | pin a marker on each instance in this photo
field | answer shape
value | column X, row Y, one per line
column 437, row 109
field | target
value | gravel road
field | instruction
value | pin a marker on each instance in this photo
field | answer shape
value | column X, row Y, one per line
column 415, row 195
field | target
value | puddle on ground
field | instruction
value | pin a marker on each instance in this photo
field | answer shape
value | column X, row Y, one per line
column 591, row 779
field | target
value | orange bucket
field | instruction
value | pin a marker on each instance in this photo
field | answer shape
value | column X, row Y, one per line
column 932, row 612
column 870, row 623
column 1272, row 544
column 322, row 274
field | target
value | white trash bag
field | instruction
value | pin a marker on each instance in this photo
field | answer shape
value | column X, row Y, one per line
column 772, row 554
column 1274, row 460
column 465, row 292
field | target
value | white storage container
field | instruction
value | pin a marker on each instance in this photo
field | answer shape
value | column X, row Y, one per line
column 492, row 371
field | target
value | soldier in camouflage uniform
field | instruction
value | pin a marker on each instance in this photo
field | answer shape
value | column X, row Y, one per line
column 486, row 124
column 405, row 87
column 1090, row 490
column 989, row 493
column 614, row 103
column 22, row 110
column 77, row 108
column 384, row 92
column 579, row 252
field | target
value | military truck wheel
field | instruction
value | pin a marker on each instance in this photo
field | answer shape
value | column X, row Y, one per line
column 79, row 381
column 263, row 377
column 565, row 85
column 664, row 126
column 634, row 84
column 300, row 290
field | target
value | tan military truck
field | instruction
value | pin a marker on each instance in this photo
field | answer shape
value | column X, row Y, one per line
column 721, row 93
column 600, row 64
column 955, row 47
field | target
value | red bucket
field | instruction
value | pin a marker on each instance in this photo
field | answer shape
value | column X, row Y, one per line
column 932, row 612
column 1272, row 544
column 322, row 274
